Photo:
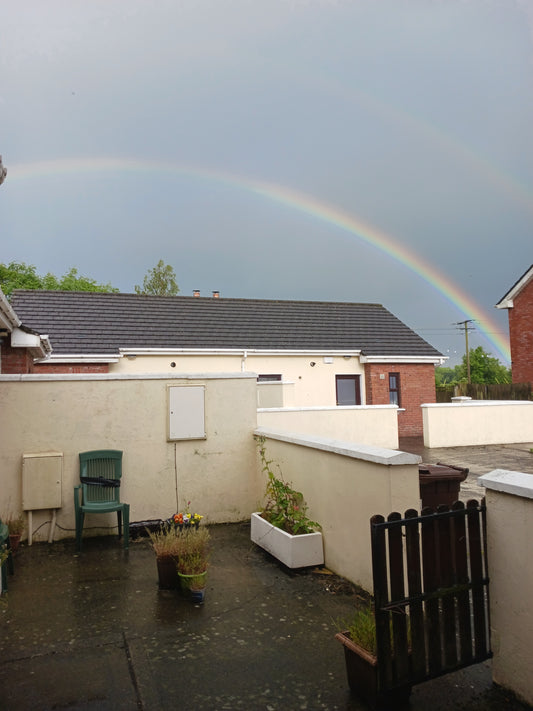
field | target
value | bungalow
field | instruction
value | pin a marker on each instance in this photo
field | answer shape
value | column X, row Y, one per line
column 519, row 304
column 305, row 353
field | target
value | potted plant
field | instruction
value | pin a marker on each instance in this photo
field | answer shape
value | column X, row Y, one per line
column 165, row 545
column 165, row 542
column 15, row 525
column 283, row 528
column 360, row 654
column 193, row 561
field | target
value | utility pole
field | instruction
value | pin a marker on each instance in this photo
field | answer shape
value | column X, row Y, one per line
column 465, row 326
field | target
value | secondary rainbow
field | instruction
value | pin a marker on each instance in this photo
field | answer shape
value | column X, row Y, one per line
column 295, row 200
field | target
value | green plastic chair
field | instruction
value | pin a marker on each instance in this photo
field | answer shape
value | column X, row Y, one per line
column 100, row 477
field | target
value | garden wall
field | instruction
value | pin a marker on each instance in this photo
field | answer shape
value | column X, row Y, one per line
column 74, row 413
column 365, row 424
column 477, row 422
column 509, row 499
column 344, row 484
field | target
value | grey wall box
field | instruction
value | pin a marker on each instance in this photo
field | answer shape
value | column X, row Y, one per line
column 186, row 412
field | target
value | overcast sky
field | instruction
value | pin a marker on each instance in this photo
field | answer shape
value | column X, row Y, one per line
column 337, row 150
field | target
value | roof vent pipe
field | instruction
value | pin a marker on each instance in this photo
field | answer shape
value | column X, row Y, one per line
column 196, row 292
column 216, row 295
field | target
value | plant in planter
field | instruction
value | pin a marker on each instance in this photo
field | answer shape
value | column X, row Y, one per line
column 193, row 561
column 359, row 640
column 15, row 524
column 282, row 527
column 186, row 519
column 165, row 545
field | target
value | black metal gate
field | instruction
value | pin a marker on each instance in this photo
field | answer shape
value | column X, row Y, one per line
column 431, row 592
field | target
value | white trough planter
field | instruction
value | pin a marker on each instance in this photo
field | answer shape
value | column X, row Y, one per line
column 293, row 551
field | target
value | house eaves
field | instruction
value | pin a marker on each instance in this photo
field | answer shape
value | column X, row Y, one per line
column 37, row 344
column 130, row 352
column 404, row 359
column 8, row 318
column 507, row 301
column 77, row 358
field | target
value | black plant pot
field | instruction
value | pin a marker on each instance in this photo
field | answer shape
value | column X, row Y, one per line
column 167, row 573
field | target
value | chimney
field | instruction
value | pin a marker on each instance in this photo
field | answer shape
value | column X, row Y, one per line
column 216, row 295
column 196, row 292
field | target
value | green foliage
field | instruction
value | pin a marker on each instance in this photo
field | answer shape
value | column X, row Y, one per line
column 447, row 376
column 285, row 508
column 18, row 275
column 484, row 369
column 159, row 281
column 193, row 550
column 361, row 628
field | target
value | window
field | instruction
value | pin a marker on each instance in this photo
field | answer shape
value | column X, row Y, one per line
column 394, row 389
column 266, row 378
column 348, row 389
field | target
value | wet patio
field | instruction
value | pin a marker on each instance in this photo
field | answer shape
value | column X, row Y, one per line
column 92, row 631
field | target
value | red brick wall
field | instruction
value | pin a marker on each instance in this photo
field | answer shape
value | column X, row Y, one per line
column 417, row 385
column 15, row 360
column 19, row 361
column 521, row 335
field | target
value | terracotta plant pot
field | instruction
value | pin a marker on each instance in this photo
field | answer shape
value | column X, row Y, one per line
column 363, row 678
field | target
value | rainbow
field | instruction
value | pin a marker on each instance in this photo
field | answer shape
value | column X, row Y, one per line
column 307, row 204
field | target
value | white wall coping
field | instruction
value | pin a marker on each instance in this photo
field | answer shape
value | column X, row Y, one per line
column 368, row 453
column 479, row 403
column 40, row 377
column 509, row 482
column 332, row 408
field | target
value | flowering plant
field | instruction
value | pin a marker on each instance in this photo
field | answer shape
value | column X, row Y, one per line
column 186, row 518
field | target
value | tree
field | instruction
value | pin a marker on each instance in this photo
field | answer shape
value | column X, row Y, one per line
column 18, row 275
column 159, row 281
column 483, row 368
column 447, row 376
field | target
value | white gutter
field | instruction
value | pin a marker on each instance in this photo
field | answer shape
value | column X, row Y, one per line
column 237, row 351
column 66, row 358
column 433, row 360
column 38, row 344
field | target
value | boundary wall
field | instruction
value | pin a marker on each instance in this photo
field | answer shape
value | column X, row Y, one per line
column 344, row 485
column 469, row 423
column 365, row 424
column 75, row 413
column 509, row 497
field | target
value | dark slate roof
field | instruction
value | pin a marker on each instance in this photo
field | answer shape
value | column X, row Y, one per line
column 99, row 323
